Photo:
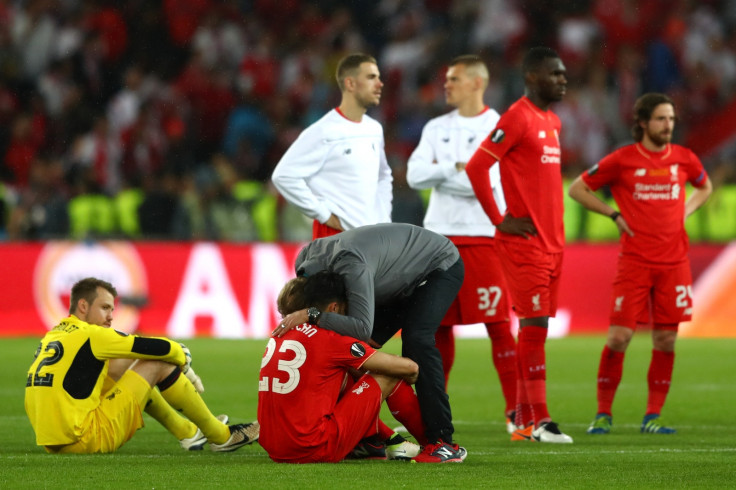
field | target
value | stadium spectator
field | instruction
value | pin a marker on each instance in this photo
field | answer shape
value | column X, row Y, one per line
column 530, row 235
column 336, row 171
column 438, row 163
column 397, row 276
column 614, row 36
column 41, row 211
column 89, row 384
column 310, row 416
column 647, row 180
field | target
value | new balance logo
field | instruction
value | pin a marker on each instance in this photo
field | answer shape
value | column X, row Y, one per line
column 640, row 172
column 445, row 140
column 443, row 451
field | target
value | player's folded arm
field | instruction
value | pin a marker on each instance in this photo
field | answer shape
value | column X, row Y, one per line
column 111, row 344
column 392, row 365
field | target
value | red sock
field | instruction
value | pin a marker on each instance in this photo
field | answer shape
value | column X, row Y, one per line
column 534, row 370
column 609, row 377
column 524, row 416
column 404, row 407
column 503, row 352
column 659, row 379
column 444, row 339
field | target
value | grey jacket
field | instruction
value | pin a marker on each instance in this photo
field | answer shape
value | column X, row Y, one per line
column 379, row 263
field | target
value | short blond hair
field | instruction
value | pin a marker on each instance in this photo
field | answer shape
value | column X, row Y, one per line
column 474, row 65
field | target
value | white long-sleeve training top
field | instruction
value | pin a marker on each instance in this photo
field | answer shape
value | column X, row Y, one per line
column 338, row 166
column 453, row 208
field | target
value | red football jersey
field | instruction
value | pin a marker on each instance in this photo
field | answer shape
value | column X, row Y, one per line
column 649, row 189
column 302, row 374
column 526, row 142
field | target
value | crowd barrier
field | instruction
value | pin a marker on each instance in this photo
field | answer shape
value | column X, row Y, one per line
column 105, row 217
column 224, row 290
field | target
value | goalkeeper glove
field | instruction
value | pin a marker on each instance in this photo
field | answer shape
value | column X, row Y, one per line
column 196, row 380
column 189, row 372
column 187, row 359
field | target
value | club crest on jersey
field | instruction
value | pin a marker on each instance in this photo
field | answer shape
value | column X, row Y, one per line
column 497, row 136
column 618, row 303
column 360, row 388
column 674, row 172
column 536, row 306
column 357, row 350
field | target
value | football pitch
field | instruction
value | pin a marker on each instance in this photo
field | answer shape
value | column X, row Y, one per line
column 700, row 406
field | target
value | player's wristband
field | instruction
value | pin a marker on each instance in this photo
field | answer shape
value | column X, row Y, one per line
column 614, row 215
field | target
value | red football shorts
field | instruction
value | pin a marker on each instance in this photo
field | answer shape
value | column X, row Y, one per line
column 668, row 291
column 483, row 297
column 322, row 231
column 355, row 417
column 533, row 278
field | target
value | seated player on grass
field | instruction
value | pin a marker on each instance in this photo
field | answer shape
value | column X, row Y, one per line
column 309, row 408
column 89, row 384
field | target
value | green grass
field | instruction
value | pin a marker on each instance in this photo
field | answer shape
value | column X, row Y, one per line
column 700, row 406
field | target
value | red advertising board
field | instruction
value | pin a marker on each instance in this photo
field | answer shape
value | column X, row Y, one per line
column 228, row 290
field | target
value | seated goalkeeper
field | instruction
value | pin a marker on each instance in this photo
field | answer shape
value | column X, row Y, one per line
column 89, row 384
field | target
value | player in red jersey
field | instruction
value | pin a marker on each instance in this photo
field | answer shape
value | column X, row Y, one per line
column 530, row 236
column 307, row 413
column 647, row 180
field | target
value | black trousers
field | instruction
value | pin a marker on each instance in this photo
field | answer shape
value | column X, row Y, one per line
column 418, row 316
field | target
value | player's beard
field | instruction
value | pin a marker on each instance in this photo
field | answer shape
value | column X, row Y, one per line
column 659, row 138
column 368, row 101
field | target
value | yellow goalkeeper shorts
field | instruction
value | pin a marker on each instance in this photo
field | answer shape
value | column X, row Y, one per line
column 115, row 420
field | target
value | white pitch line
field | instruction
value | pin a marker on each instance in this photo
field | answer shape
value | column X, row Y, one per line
column 471, row 452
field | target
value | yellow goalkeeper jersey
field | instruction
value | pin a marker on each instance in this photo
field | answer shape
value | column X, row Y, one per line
column 65, row 381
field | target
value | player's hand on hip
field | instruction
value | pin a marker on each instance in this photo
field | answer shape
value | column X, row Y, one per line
column 334, row 222
column 518, row 226
column 290, row 321
column 623, row 226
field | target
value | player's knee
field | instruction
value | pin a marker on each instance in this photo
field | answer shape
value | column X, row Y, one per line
column 619, row 338
column 664, row 340
column 386, row 383
column 499, row 331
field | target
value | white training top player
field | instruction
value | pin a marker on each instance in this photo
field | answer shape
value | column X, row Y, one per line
column 336, row 171
column 447, row 144
column 438, row 162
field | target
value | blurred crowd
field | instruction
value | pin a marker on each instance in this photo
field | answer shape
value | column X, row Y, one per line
column 164, row 119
